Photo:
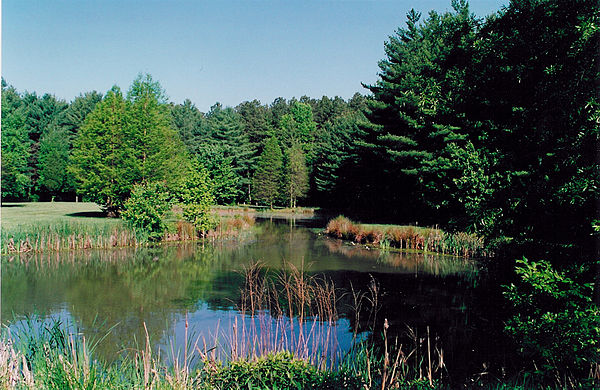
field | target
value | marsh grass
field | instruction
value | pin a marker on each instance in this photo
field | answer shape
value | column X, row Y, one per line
column 62, row 234
column 408, row 238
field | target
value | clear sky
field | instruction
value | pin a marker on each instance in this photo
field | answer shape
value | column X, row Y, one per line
column 207, row 51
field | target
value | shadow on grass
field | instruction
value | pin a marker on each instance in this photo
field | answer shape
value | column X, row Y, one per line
column 13, row 205
column 88, row 214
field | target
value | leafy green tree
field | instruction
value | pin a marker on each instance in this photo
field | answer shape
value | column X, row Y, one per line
column 417, row 117
column 267, row 177
column 334, row 147
column 256, row 123
column 556, row 323
column 53, row 161
column 104, row 158
column 160, row 154
column 15, row 147
column 298, row 127
column 538, row 125
column 296, row 175
column 147, row 209
column 125, row 142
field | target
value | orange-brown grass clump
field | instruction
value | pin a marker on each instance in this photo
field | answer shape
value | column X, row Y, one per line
column 408, row 237
column 342, row 227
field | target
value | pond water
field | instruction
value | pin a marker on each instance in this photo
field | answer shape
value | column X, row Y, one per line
column 117, row 294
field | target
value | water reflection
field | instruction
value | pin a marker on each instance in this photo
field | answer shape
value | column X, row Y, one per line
column 164, row 287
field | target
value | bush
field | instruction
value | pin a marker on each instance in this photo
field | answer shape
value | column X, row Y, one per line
column 196, row 194
column 556, row 323
column 147, row 209
column 278, row 371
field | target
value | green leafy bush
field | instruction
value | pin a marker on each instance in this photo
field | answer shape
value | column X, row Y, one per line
column 196, row 194
column 147, row 209
column 278, row 371
column 556, row 323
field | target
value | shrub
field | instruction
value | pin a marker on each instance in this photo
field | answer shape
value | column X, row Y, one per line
column 277, row 371
column 147, row 209
column 196, row 194
column 556, row 322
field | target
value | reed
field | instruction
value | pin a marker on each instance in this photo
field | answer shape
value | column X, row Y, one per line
column 68, row 235
column 409, row 238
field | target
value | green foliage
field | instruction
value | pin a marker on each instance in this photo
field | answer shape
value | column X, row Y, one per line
column 278, row 371
column 103, row 158
column 190, row 124
column 226, row 132
column 296, row 174
column 124, row 142
column 16, row 176
column 53, row 160
column 147, row 209
column 159, row 152
column 196, row 195
column 266, row 182
column 298, row 127
column 556, row 323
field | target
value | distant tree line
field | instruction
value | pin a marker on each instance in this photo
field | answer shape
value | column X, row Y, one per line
column 486, row 125
column 99, row 146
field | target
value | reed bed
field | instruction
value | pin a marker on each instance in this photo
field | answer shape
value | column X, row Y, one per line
column 67, row 235
column 408, row 238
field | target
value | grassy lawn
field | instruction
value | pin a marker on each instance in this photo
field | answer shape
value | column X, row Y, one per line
column 15, row 215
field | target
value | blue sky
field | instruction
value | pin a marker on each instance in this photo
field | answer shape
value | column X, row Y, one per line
column 207, row 51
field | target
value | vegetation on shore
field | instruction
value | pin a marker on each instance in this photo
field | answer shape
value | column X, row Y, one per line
column 408, row 237
column 58, row 226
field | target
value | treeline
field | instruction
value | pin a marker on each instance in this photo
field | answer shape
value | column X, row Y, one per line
column 489, row 126
column 47, row 144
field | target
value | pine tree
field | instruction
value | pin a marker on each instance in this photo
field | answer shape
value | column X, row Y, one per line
column 267, row 178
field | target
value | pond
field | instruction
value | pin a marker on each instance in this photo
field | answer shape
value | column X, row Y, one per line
column 176, row 290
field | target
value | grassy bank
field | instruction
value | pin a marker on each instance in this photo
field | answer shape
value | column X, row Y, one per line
column 408, row 238
column 57, row 226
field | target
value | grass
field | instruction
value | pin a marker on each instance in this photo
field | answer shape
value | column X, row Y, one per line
column 15, row 215
column 408, row 238
column 56, row 226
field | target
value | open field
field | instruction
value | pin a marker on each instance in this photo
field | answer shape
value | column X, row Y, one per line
column 16, row 215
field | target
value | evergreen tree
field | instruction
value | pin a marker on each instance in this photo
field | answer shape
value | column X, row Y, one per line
column 267, row 177
column 227, row 132
column 75, row 114
column 417, row 117
column 191, row 125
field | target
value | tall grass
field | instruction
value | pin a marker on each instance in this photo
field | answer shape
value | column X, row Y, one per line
column 408, row 238
column 68, row 235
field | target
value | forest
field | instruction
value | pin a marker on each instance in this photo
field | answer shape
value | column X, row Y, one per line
column 488, row 126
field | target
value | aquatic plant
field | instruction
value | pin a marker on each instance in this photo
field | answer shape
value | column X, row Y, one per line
column 408, row 237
